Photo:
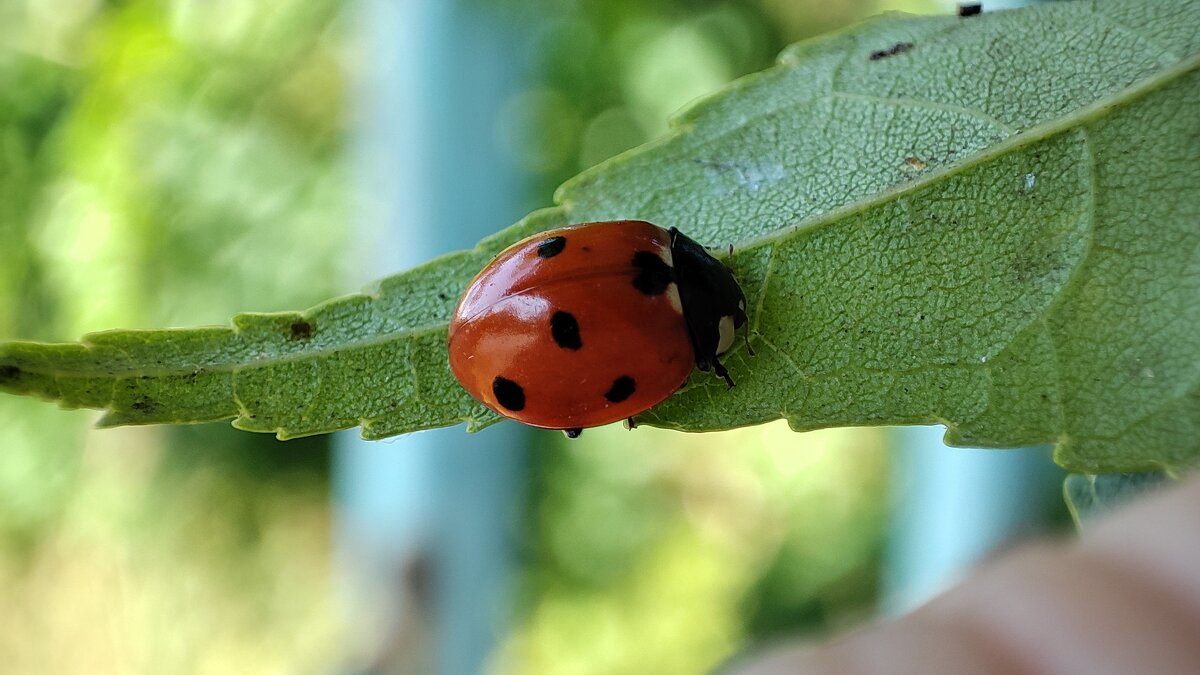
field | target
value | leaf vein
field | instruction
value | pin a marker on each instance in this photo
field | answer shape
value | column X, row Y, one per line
column 904, row 102
column 1012, row 143
column 1113, row 22
column 762, row 293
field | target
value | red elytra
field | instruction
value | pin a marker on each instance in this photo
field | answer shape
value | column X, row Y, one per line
column 591, row 324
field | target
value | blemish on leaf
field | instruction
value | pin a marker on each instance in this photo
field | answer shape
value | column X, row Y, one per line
column 898, row 48
column 144, row 405
column 750, row 177
column 9, row 374
column 914, row 163
column 301, row 330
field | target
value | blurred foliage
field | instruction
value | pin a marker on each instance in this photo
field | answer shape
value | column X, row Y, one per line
column 610, row 73
column 172, row 162
column 164, row 163
column 663, row 552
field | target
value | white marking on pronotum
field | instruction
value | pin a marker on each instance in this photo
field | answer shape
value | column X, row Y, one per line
column 664, row 252
column 727, row 331
column 673, row 298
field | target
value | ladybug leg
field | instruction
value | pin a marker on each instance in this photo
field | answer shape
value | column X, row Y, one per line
column 629, row 423
column 721, row 372
column 573, row 433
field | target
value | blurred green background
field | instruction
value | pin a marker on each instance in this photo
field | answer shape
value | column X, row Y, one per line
column 171, row 163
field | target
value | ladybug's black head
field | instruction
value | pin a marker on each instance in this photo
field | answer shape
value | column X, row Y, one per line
column 713, row 303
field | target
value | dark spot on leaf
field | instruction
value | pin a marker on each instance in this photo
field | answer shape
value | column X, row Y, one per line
column 719, row 166
column 622, row 388
column 970, row 9
column 898, row 48
column 552, row 247
column 144, row 405
column 652, row 275
column 442, row 296
column 565, row 330
column 508, row 394
column 301, row 330
column 9, row 373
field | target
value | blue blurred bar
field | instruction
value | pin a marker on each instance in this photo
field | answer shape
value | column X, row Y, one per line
column 952, row 507
column 427, row 523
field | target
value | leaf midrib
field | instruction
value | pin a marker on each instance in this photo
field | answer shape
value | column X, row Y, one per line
column 234, row 368
column 1016, row 141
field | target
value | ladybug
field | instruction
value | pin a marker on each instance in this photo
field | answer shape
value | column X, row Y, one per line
column 590, row 324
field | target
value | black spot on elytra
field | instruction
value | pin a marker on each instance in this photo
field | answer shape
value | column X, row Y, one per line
column 565, row 330
column 898, row 48
column 970, row 9
column 144, row 405
column 652, row 274
column 622, row 388
column 9, row 373
column 301, row 330
column 508, row 394
column 552, row 247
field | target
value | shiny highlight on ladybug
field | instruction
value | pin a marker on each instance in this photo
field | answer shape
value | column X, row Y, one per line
column 591, row 324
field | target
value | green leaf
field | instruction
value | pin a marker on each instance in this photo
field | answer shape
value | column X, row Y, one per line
column 986, row 222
